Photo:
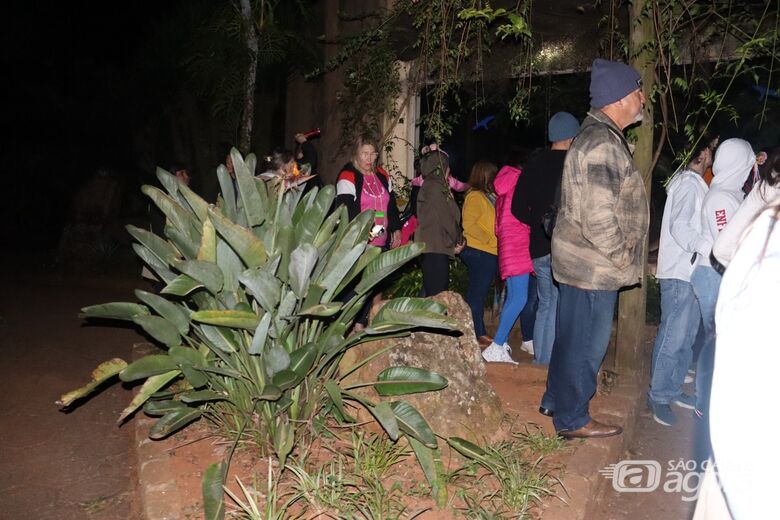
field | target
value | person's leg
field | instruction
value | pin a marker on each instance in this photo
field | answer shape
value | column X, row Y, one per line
column 544, row 328
column 585, row 325
column 706, row 283
column 528, row 314
column 481, row 267
column 672, row 349
column 436, row 273
column 516, row 294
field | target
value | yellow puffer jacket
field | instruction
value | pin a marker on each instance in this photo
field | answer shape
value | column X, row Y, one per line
column 479, row 222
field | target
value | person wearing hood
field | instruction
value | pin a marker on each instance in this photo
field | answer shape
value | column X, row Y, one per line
column 514, row 262
column 681, row 240
column 733, row 163
column 765, row 191
column 438, row 222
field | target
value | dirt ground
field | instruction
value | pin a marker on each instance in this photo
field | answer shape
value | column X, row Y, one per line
column 68, row 466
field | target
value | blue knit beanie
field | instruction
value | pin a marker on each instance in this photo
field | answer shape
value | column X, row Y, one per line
column 611, row 81
column 562, row 126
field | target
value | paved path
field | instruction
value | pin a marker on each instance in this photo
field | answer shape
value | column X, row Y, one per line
column 57, row 465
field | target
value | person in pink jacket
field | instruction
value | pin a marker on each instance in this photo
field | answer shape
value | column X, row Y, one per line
column 514, row 262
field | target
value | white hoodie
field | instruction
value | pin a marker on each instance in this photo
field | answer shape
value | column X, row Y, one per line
column 733, row 162
column 681, row 235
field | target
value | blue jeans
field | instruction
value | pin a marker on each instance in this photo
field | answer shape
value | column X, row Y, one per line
column 544, row 328
column 706, row 284
column 516, row 296
column 528, row 315
column 482, row 268
column 584, row 325
column 673, row 347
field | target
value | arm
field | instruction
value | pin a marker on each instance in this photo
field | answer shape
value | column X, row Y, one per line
column 520, row 201
column 457, row 185
column 728, row 239
column 346, row 193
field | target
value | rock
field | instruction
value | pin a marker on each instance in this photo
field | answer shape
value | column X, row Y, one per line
column 468, row 407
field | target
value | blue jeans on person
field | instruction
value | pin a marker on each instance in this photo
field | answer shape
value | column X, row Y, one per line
column 482, row 267
column 673, row 347
column 528, row 314
column 584, row 325
column 547, row 309
column 516, row 296
column 706, row 284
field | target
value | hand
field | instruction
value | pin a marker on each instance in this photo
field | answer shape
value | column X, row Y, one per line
column 300, row 138
column 761, row 158
column 395, row 239
column 460, row 246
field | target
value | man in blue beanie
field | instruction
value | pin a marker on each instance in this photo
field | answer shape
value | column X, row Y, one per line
column 535, row 193
column 597, row 245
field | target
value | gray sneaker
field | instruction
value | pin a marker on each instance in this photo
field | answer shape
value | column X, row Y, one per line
column 685, row 401
column 663, row 414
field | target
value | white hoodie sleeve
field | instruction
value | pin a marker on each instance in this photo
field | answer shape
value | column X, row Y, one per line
column 728, row 239
column 685, row 219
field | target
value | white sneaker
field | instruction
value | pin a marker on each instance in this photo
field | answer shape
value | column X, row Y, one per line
column 690, row 376
column 497, row 354
column 528, row 347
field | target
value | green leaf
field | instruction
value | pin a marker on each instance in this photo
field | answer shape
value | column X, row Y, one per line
column 160, row 408
column 183, row 242
column 276, row 360
column 384, row 414
column 150, row 386
column 269, row 393
column 161, row 248
column 261, row 334
column 179, row 217
column 220, row 338
column 334, row 392
column 201, row 396
column 408, row 380
column 253, row 206
column 154, row 263
column 160, row 329
column 199, row 206
column 263, row 286
column 428, row 464
column 101, row 374
column 212, row 490
column 114, row 310
column 230, row 264
column 337, row 269
column 229, row 318
column 303, row 358
column 306, row 230
column 366, row 258
column 167, row 309
column 407, row 304
column 302, row 262
column 322, row 310
column 208, row 244
column 173, row 421
column 285, row 379
column 148, row 366
column 228, row 199
column 412, row 423
column 207, row 273
column 467, row 448
column 387, row 263
column 394, row 318
column 189, row 360
column 182, row 285
column 250, row 248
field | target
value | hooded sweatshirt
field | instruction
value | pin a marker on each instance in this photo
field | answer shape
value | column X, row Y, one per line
column 438, row 214
column 681, row 235
column 733, row 162
column 514, row 237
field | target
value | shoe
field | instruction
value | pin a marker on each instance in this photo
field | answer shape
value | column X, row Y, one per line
column 546, row 411
column 497, row 354
column 690, row 376
column 591, row 430
column 528, row 347
column 663, row 414
column 484, row 341
column 685, row 401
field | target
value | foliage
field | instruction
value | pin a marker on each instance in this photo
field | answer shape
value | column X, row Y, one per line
column 260, row 294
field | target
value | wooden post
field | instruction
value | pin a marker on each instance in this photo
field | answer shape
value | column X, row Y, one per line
column 630, row 352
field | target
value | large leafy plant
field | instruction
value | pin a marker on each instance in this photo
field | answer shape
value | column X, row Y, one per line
column 261, row 292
